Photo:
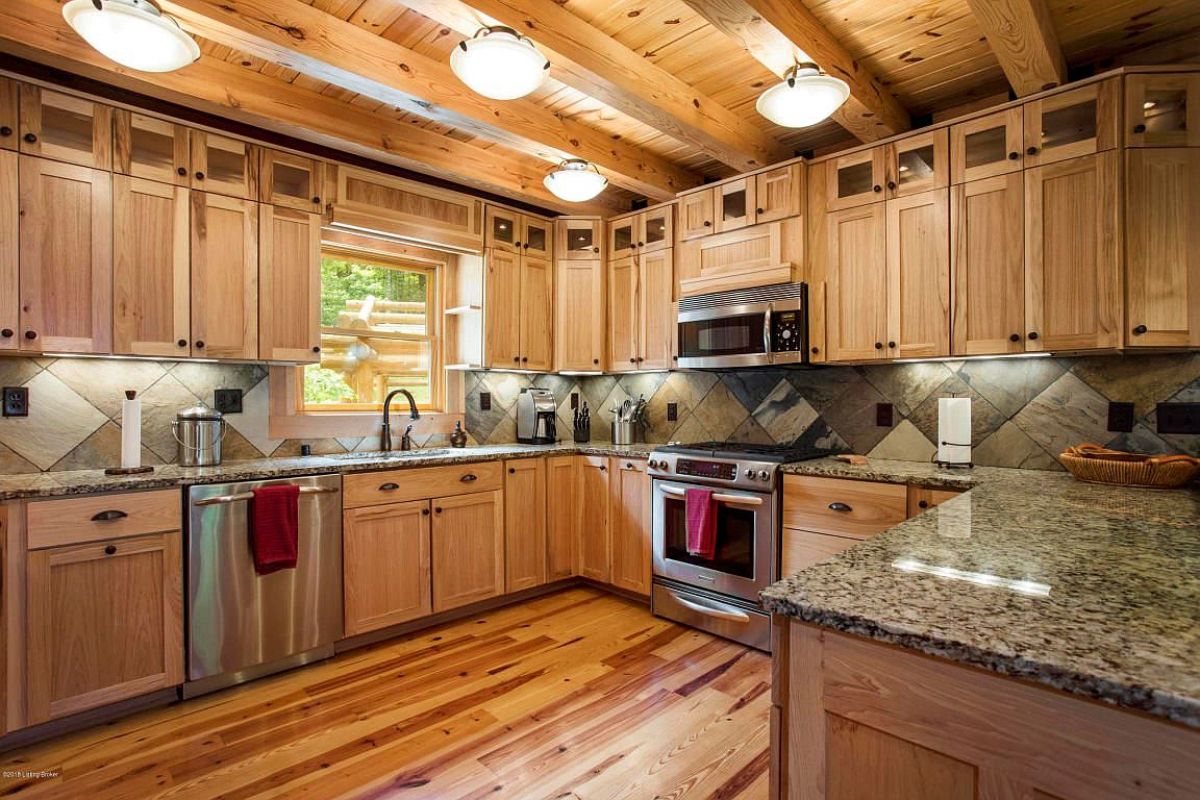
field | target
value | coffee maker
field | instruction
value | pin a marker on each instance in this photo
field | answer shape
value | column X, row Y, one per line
column 535, row 417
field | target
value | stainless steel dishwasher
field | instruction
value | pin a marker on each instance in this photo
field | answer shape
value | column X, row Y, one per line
column 241, row 625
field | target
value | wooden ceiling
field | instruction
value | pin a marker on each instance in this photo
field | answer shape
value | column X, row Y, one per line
column 658, row 93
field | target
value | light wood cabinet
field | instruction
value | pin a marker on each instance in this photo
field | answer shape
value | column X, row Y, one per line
column 10, row 92
column 224, row 166
column 629, row 525
column 502, row 309
column 403, row 485
column 987, row 146
column 623, row 313
column 562, row 517
column 579, row 315
column 386, row 563
column 857, row 287
column 537, row 237
column 525, row 523
column 760, row 255
column 104, row 623
column 537, row 314
column 696, row 214
column 622, row 237
column 656, row 310
column 1073, row 123
column 800, row 549
column 856, row 179
column 592, row 521
column 578, row 238
column 1162, row 110
column 735, row 204
column 467, row 542
column 150, row 148
column 63, row 127
column 842, row 507
column 400, row 207
column 778, row 193
column 519, row 233
column 65, row 257
column 656, row 229
column 10, row 250
column 224, row 276
column 918, row 275
column 923, row 498
column 151, row 269
column 1162, row 226
column 289, row 285
column 987, row 253
column 918, row 163
column 1072, row 255
column 291, row 180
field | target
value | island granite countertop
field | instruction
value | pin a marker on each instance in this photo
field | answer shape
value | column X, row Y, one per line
column 1094, row 590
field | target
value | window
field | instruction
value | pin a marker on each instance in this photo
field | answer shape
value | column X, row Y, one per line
column 379, row 332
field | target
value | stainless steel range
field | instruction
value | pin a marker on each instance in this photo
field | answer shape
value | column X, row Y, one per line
column 719, row 594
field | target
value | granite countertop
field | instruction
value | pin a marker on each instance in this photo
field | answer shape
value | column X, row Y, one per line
column 58, row 484
column 1094, row 590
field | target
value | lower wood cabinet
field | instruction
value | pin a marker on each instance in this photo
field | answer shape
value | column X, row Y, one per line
column 591, row 507
column 386, row 565
column 629, row 525
column 562, row 521
column 467, row 541
column 524, row 524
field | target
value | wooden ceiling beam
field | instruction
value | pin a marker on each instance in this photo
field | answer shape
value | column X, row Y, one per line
column 299, row 37
column 589, row 60
column 1021, row 35
column 35, row 30
column 780, row 32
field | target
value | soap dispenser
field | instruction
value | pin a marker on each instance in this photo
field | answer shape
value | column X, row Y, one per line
column 458, row 437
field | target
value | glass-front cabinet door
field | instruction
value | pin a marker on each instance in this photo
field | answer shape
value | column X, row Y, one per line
column 657, row 229
column 221, row 165
column 502, row 229
column 1162, row 110
column 290, row 180
column 1071, row 124
column 578, row 238
column 62, row 127
column 537, row 236
column 855, row 179
column 622, row 237
column 918, row 163
column 735, row 204
column 151, row 148
column 986, row 146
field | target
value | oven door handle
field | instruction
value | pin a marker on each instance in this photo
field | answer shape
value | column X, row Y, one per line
column 740, row 499
column 709, row 611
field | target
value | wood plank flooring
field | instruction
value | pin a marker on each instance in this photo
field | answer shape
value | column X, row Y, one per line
column 577, row 695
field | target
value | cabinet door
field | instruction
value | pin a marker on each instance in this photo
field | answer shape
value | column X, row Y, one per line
column 290, row 180
column 385, row 556
column 151, row 148
column 537, row 237
column 856, row 291
column 561, row 517
column 623, row 315
column 921, row 498
column 524, row 524
column 656, row 310
column 735, row 204
column 10, row 303
column 856, row 179
column 224, row 276
column 1162, row 110
column 66, row 257
column 104, row 622
column 225, row 166
column 777, row 193
column 502, row 310
column 622, row 237
column 986, row 146
column 696, row 214
column 1073, row 123
column 579, row 239
column 918, row 265
column 151, row 281
column 9, row 115
column 503, row 229
column 629, row 521
column 1072, row 255
column 468, row 549
column 65, row 128
column 579, row 315
column 591, row 520
column 657, row 229
column 987, row 255
column 537, row 313
column 289, row 285
column 1162, row 222
column 918, row 163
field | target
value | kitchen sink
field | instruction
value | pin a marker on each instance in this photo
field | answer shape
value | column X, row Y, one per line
column 387, row 455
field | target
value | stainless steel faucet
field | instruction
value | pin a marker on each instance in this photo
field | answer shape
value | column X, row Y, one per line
column 385, row 435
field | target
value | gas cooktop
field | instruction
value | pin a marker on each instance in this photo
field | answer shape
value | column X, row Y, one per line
column 773, row 453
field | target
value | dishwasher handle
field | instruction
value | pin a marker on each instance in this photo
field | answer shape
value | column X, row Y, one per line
column 225, row 499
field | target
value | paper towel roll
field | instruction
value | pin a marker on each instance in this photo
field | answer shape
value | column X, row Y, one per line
column 954, row 430
column 131, row 433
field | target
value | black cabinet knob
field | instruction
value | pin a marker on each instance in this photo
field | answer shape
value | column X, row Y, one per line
column 891, row 344
column 316, row 349
column 1031, row 150
column 110, row 550
column 1014, row 155
column 1033, row 335
column 891, row 184
column 707, row 223
column 1139, row 128
column 815, row 350
column 595, row 361
column 5, row 130
column 1015, row 337
column 595, row 249
column 641, row 244
column 316, row 200
column 877, row 188
column 922, row 504
column 759, row 211
column 181, row 170
column 633, row 361
column 879, row 345
column 1139, row 330
column 30, row 137
column 517, row 244
column 437, row 510
column 640, row 359
column 516, row 359
column 512, row 471
column 182, row 342
column 524, row 359
column 7, row 333
column 199, row 344
column 31, row 335
column 526, row 245
column 424, row 512
column 199, row 176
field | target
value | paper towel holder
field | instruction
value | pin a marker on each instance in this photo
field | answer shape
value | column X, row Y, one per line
column 947, row 434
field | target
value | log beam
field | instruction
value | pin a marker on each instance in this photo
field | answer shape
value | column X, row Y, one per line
column 1021, row 35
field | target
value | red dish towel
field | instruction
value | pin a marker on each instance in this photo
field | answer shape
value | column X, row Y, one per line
column 701, row 524
column 274, row 527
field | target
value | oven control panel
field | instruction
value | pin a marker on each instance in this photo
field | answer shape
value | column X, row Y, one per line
column 749, row 474
column 706, row 469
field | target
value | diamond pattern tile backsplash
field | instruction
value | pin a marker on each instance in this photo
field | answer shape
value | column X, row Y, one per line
column 1024, row 411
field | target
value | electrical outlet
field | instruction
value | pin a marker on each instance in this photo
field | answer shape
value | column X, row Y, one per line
column 574, row 400
column 672, row 412
column 1178, row 417
column 227, row 401
column 1120, row 417
column 16, row 401
column 884, row 415
column 485, row 401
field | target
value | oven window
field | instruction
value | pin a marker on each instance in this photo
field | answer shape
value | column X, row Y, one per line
column 731, row 336
column 735, row 538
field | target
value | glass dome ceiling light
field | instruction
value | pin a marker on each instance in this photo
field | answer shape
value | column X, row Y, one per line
column 575, row 181
column 499, row 63
column 133, row 33
column 805, row 97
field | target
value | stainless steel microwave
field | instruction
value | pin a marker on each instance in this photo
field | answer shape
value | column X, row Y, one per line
column 744, row 328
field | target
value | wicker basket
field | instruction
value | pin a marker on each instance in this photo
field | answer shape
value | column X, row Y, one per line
column 1095, row 464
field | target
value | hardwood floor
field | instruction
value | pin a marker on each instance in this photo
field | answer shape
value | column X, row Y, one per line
column 577, row 695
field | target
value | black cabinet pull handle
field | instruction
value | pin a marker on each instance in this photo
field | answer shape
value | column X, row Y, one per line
column 877, row 188
column 108, row 516
column 30, row 335
column 1031, row 150
column 1015, row 337
column 840, row 507
column 388, row 487
column 1033, row 335
column 5, row 130
column 181, row 170
column 1139, row 330
column 424, row 512
column 891, row 184
column 31, row 137
column 1014, row 155
column 7, row 333
column 469, row 478
column 922, row 504
column 199, row 176
column 110, row 550
column 1139, row 128
column 199, row 344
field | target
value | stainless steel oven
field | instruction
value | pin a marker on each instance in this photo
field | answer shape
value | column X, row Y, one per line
column 744, row 328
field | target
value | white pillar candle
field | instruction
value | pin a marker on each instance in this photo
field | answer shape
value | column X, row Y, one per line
column 131, row 432
column 954, row 430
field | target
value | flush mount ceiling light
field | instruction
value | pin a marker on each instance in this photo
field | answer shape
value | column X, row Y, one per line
column 133, row 33
column 499, row 63
column 575, row 181
column 805, row 97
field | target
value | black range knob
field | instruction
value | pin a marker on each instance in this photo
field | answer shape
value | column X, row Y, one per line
column 1139, row 330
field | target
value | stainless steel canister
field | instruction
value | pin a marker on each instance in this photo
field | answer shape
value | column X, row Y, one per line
column 198, row 430
column 626, row 432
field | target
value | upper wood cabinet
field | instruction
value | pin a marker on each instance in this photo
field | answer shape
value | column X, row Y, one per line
column 629, row 524
column 1162, row 110
column 623, row 314
column 656, row 229
column 66, row 128
column 579, row 315
column 1072, row 255
column 152, row 148
column 537, row 314
column 987, row 254
column 537, row 236
column 10, row 249
column 918, row 163
column 918, row 275
column 561, row 517
column 502, row 309
column 519, row 233
column 778, row 193
column 386, row 564
column 622, row 237
column 1162, row 225
column 467, row 539
column 756, row 256
column 151, row 268
column 1072, row 123
column 857, row 287
column 656, row 310
column 696, row 214
column 65, row 239
column 592, row 521
column 525, row 523
column 735, row 204
column 9, row 114
column 578, row 238
column 289, row 285
column 225, row 166
column 291, row 180
column 400, row 207
column 224, row 276
column 856, row 179
column 987, row 146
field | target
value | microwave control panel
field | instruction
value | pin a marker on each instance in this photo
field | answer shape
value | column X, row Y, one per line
column 787, row 331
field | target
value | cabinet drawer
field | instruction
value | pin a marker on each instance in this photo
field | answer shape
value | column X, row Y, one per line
column 804, row 548
column 403, row 485
column 842, row 507
column 53, row 523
